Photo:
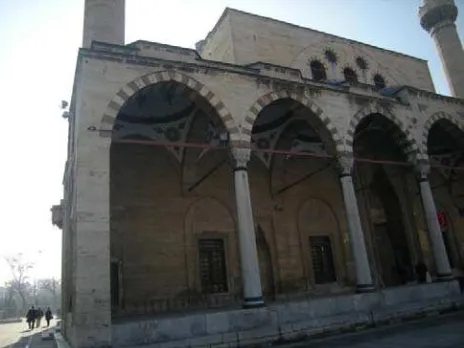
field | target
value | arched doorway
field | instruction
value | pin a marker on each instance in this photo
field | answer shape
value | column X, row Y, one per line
column 153, row 183
column 298, row 151
column 377, row 141
column 445, row 147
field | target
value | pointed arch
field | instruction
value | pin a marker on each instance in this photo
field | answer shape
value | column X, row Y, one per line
column 268, row 98
column 198, row 90
column 402, row 135
column 431, row 121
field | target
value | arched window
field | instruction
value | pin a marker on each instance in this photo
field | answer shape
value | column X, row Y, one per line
column 318, row 71
column 331, row 56
column 379, row 81
column 350, row 75
column 361, row 63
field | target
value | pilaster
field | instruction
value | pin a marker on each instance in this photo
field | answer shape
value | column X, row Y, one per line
column 92, row 309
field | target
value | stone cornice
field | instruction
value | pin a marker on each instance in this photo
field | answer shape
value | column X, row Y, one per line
column 168, row 48
column 263, row 72
column 434, row 96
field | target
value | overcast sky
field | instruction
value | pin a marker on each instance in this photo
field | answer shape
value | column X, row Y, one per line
column 39, row 42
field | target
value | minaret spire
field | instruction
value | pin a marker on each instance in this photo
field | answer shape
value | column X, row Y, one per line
column 104, row 21
column 438, row 17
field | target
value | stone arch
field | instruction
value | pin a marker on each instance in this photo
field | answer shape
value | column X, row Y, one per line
column 316, row 217
column 212, row 202
column 402, row 135
column 429, row 124
column 323, row 206
column 202, row 218
column 268, row 98
column 199, row 89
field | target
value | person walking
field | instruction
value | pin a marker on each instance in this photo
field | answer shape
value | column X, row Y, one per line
column 30, row 317
column 39, row 317
column 48, row 316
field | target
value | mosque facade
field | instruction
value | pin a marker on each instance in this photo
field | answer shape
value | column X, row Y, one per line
column 271, row 164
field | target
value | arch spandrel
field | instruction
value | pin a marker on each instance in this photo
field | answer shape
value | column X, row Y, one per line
column 265, row 100
column 430, row 122
column 402, row 136
column 197, row 89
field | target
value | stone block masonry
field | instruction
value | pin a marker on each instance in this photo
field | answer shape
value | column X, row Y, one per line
column 288, row 321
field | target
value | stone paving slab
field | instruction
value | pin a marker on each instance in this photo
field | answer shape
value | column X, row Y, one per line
column 444, row 331
column 43, row 339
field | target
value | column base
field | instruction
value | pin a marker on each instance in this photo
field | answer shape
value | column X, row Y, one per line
column 253, row 302
column 363, row 288
column 445, row 277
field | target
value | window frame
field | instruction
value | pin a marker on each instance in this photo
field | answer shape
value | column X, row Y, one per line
column 376, row 83
column 356, row 79
column 321, row 69
column 225, row 243
column 332, row 260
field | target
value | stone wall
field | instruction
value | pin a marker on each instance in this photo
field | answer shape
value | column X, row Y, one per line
column 155, row 223
column 105, row 77
column 257, row 38
column 290, row 321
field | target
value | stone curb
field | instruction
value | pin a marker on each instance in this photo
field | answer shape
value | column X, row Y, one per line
column 61, row 341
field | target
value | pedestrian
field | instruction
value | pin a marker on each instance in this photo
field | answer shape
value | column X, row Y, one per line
column 39, row 317
column 30, row 317
column 48, row 316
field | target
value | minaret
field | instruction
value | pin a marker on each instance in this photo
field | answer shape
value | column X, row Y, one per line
column 104, row 21
column 438, row 17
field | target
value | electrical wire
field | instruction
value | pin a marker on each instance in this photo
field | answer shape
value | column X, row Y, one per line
column 273, row 151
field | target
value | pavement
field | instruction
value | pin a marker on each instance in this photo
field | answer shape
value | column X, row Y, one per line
column 443, row 331
column 17, row 335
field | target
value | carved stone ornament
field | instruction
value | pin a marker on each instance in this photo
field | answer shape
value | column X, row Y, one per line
column 345, row 164
column 240, row 156
column 422, row 169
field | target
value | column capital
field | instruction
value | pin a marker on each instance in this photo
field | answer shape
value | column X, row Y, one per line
column 345, row 164
column 422, row 169
column 240, row 156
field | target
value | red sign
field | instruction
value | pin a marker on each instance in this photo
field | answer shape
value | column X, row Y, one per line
column 442, row 220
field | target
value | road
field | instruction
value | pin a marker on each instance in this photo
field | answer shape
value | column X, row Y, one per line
column 17, row 335
column 445, row 331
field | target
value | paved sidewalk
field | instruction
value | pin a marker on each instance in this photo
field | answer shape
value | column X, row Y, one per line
column 16, row 335
column 43, row 339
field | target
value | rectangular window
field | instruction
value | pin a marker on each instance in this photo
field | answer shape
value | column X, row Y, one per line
column 213, row 273
column 321, row 254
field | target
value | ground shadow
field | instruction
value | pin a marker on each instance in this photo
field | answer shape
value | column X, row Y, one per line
column 22, row 341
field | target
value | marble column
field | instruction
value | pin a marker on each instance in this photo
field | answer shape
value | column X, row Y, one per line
column 430, row 213
column 356, row 235
column 252, row 292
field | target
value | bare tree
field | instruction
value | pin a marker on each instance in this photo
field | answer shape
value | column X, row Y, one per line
column 53, row 286
column 19, row 270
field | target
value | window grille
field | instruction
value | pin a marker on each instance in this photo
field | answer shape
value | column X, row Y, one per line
column 321, row 254
column 213, row 273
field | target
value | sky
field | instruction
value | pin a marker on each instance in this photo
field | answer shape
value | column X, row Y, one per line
column 39, row 44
